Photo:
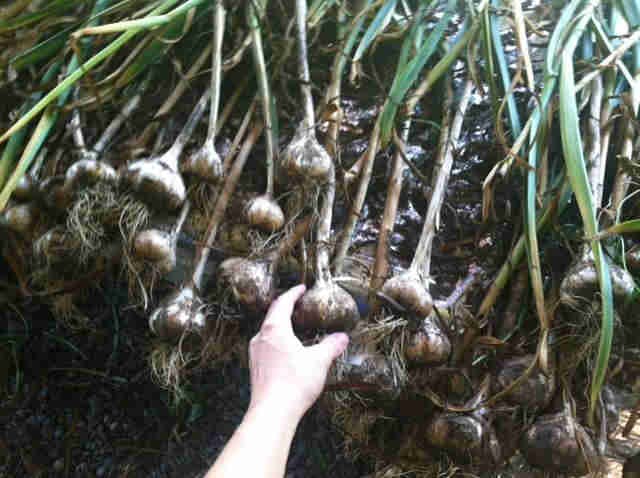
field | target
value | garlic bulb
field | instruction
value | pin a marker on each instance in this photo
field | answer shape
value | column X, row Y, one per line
column 20, row 218
column 157, row 180
column 468, row 438
column 86, row 172
column 536, row 391
column 557, row 443
column 253, row 281
column 408, row 290
column 182, row 311
column 264, row 213
column 250, row 281
column 159, row 247
column 429, row 344
column 305, row 159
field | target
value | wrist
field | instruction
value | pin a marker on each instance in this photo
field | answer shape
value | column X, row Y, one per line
column 281, row 411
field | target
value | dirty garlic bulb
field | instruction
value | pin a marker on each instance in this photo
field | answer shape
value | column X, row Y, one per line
column 86, row 172
column 305, row 158
column 558, row 443
column 264, row 213
column 429, row 344
column 253, row 282
column 159, row 247
column 326, row 306
column 581, row 284
column 20, row 218
column 180, row 312
column 157, row 180
column 536, row 391
column 467, row 437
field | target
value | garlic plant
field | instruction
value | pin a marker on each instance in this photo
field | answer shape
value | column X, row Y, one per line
column 157, row 180
column 326, row 306
column 253, row 281
column 159, row 247
column 263, row 212
column 205, row 163
column 89, row 169
column 304, row 158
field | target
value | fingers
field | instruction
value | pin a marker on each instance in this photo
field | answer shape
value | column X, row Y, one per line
column 279, row 314
column 330, row 348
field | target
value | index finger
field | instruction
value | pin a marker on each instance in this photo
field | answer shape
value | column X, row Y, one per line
column 279, row 314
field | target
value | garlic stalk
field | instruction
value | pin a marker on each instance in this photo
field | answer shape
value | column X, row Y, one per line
column 263, row 211
column 408, row 288
column 326, row 306
column 305, row 159
column 205, row 163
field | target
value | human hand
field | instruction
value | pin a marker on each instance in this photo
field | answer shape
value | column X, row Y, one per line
column 285, row 374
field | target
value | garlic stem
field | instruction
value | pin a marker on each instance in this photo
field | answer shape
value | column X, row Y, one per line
column 216, row 70
column 184, row 212
column 263, row 82
column 422, row 258
column 595, row 162
column 117, row 122
column 172, row 155
column 323, row 237
column 303, row 63
column 622, row 180
column 75, row 125
column 202, row 254
column 394, row 188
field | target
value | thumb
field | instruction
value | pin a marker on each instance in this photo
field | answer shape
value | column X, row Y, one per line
column 330, row 348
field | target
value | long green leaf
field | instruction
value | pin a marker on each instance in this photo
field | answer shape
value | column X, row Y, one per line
column 577, row 173
column 377, row 26
column 503, row 68
column 407, row 75
column 16, row 142
column 631, row 226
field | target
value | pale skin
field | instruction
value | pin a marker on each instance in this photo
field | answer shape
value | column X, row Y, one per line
column 286, row 380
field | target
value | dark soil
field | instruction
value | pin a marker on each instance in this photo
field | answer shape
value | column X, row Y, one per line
column 84, row 404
